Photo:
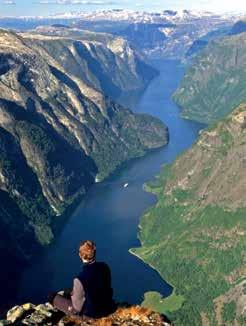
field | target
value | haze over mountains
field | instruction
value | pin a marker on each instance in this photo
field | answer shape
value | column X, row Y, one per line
column 167, row 34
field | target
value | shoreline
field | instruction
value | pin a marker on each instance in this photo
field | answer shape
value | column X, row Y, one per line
column 148, row 190
column 156, row 270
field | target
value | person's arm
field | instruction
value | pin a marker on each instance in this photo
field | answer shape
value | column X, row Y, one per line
column 78, row 295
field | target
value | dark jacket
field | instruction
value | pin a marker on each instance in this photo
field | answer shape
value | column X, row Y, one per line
column 96, row 280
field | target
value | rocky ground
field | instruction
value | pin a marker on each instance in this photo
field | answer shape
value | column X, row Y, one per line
column 45, row 314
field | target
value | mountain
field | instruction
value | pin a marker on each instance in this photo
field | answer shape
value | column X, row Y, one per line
column 145, row 35
column 196, row 47
column 203, row 41
column 216, row 82
column 195, row 235
column 116, row 15
column 167, row 34
column 105, row 62
column 58, row 134
column 239, row 27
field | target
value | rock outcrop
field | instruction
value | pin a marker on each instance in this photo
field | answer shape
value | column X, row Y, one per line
column 103, row 61
column 44, row 314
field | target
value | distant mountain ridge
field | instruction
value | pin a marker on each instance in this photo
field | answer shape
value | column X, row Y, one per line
column 145, row 35
column 239, row 27
column 141, row 16
column 202, row 42
column 216, row 82
column 166, row 42
column 199, row 44
column 166, row 34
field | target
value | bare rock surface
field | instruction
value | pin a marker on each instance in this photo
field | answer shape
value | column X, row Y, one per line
column 45, row 314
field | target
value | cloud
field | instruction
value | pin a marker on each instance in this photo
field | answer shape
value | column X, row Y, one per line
column 77, row 2
column 9, row 2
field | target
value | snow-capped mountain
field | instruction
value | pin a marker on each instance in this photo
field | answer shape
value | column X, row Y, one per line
column 140, row 16
column 166, row 34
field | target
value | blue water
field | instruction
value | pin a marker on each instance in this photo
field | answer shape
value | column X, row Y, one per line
column 110, row 213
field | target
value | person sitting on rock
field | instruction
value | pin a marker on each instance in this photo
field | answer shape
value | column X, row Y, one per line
column 92, row 295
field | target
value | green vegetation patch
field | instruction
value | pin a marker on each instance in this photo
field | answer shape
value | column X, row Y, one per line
column 195, row 249
column 156, row 186
column 155, row 301
column 215, row 84
column 229, row 312
column 227, row 141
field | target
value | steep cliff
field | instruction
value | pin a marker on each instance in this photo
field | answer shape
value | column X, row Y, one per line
column 216, row 82
column 57, row 134
column 195, row 236
column 105, row 62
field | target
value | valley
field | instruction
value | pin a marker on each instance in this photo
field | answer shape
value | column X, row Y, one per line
column 110, row 211
column 92, row 107
column 60, row 131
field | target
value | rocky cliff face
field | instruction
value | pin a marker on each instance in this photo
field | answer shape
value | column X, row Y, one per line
column 105, row 62
column 146, row 36
column 195, row 236
column 216, row 82
column 45, row 314
column 57, row 134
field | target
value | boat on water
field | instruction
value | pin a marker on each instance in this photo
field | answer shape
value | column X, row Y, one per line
column 126, row 185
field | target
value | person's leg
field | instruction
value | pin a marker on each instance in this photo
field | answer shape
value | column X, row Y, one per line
column 64, row 304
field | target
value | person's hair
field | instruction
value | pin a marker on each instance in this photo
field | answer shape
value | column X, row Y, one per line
column 87, row 250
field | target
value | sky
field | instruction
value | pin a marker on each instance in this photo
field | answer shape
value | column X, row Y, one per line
column 48, row 7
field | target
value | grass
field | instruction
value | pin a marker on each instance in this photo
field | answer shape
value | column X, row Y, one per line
column 154, row 300
column 229, row 312
column 194, row 255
